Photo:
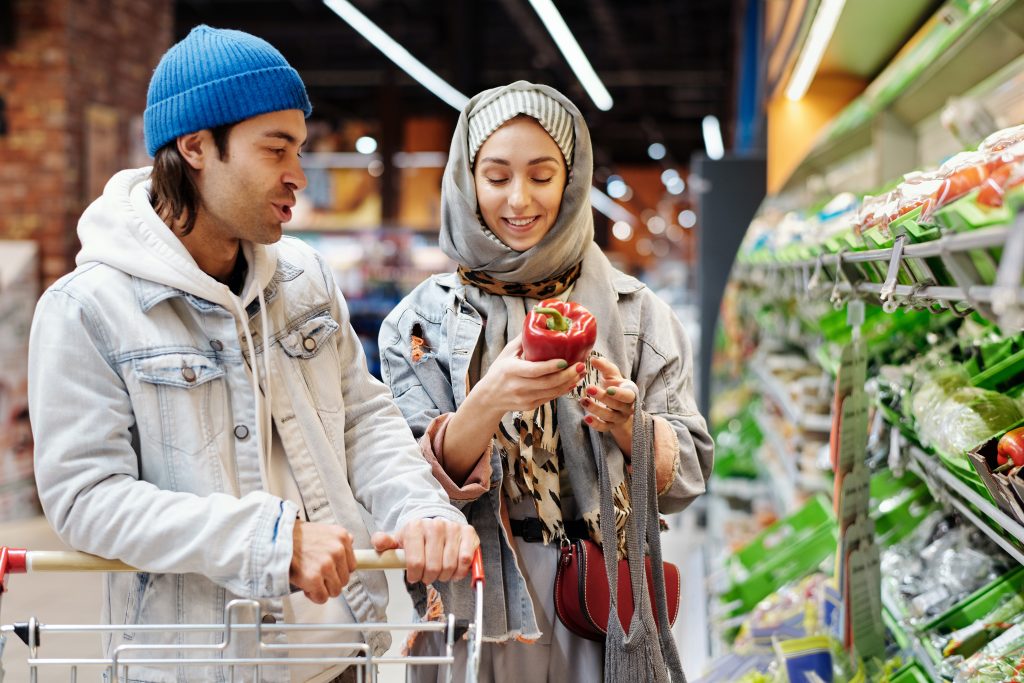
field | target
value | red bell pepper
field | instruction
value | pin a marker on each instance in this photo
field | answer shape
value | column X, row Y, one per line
column 559, row 329
column 1010, row 450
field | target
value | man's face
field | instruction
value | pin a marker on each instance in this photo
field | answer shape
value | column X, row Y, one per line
column 249, row 193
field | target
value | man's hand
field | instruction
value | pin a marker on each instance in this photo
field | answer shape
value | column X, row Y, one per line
column 435, row 549
column 322, row 560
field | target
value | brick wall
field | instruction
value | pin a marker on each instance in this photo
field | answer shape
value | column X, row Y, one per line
column 74, row 84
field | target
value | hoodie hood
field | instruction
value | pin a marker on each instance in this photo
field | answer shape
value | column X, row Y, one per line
column 122, row 230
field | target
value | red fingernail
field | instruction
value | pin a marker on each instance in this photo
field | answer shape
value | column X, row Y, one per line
column 589, row 420
column 585, row 402
column 592, row 391
column 580, row 367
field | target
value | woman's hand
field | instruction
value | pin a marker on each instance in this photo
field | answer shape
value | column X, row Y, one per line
column 512, row 383
column 609, row 406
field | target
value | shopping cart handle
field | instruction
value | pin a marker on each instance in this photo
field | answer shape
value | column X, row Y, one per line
column 477, row 568
column 17, row 561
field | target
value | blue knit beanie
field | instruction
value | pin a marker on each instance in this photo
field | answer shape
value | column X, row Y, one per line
column 215, row 77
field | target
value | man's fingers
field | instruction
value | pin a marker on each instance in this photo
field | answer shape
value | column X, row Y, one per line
column 382, row 541
column 412, row 541
column 434, row 536
column 468, row 544
column 450, row 556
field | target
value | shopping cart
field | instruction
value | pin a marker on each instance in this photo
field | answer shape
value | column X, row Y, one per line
column 357, row 655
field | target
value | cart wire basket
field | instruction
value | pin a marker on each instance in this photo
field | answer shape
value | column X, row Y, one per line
column 239, row 622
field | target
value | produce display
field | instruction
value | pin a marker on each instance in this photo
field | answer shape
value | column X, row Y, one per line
column 945, row 416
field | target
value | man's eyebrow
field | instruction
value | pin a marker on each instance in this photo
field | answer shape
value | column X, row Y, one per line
column 287, row 137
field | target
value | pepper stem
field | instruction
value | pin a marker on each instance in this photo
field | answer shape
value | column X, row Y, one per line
column 556, row 321
column 1004, row 467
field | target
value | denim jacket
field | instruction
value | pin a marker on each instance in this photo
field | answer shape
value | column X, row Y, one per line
column 438, row 313
column 145, row 422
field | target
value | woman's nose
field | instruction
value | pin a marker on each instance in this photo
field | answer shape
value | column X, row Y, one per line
column 519, row 198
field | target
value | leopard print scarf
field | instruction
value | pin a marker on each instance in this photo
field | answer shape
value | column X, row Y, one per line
column 528, row 442
column 533, row 464
column 535, row 290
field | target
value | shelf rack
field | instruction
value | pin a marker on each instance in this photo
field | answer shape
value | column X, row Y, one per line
column 1001, row 301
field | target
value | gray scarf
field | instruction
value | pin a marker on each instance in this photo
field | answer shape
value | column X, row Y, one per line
column 467, row 241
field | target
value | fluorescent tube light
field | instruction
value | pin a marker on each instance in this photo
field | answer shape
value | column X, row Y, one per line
column 397, row 54
column 437, row 85
column 713, row 137
column 822, row 28
column 578, row 61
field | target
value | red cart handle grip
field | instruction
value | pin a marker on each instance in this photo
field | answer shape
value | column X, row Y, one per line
column 12, row 561
column 478, row 567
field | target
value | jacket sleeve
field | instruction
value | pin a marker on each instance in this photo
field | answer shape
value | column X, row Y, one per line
column 387, row 474
column 664, row 372
column 87, row 471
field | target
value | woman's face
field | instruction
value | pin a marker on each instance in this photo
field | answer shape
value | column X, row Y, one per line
column 520, row 176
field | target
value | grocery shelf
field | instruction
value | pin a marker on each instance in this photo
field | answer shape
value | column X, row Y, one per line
column 979, row 44
column 917, row 650
column 936, row 476
column 773, row 388
column 1002, row 301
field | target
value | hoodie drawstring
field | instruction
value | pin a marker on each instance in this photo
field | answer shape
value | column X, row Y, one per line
column 268, row 413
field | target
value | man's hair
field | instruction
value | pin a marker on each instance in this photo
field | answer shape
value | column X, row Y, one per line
column 174, row 193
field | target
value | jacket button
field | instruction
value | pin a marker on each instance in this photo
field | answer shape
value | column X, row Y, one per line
column 217, row 345
column 309, row 343
column 189, row 374
column 241, row 432
column 269, row 619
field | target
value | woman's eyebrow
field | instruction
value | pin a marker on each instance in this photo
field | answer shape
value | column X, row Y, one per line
column 541, row 160
column 494, row 160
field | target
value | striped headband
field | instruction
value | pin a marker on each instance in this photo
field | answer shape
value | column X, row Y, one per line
column 548, row 112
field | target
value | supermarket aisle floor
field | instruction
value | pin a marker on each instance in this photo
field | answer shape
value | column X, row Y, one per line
column 75, row 599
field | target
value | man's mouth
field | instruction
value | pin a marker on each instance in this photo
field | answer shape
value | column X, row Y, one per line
column 283, row 211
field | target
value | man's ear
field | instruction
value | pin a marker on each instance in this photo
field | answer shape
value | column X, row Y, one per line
column 195, row 147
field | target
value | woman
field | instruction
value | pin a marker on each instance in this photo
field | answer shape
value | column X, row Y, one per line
column 508, row 438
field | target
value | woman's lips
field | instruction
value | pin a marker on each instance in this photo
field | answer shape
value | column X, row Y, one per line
column 520, row 224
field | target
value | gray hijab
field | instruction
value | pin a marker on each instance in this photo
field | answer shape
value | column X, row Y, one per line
column 463, row 237
column 466, row 239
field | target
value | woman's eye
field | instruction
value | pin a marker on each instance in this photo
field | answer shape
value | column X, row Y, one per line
column 543, row 180
column 497, row 181
column 277, row 150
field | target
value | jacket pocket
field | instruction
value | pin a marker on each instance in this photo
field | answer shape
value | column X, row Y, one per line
column 310, row 345
column 183, row 403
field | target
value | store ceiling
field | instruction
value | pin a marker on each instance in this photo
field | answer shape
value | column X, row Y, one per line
column 667, row 63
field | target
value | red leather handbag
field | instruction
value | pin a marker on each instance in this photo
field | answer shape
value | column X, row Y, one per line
column 581, row 590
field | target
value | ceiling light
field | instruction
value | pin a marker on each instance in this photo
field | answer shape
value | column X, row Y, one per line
column 578, row 62
column 366, row 145
column 622, row 230
column 675, row 186
column 814, row 48
column 668, row 175
column 687, row 218
column 613, row 210
column 656, row 151
column 713, row 137
column 656, row 225
column 617, row 187
column 397, row 54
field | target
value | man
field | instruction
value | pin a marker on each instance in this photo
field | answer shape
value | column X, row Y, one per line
column 200, row 402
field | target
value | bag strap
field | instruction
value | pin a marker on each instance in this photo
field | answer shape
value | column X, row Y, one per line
column 641, row 526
